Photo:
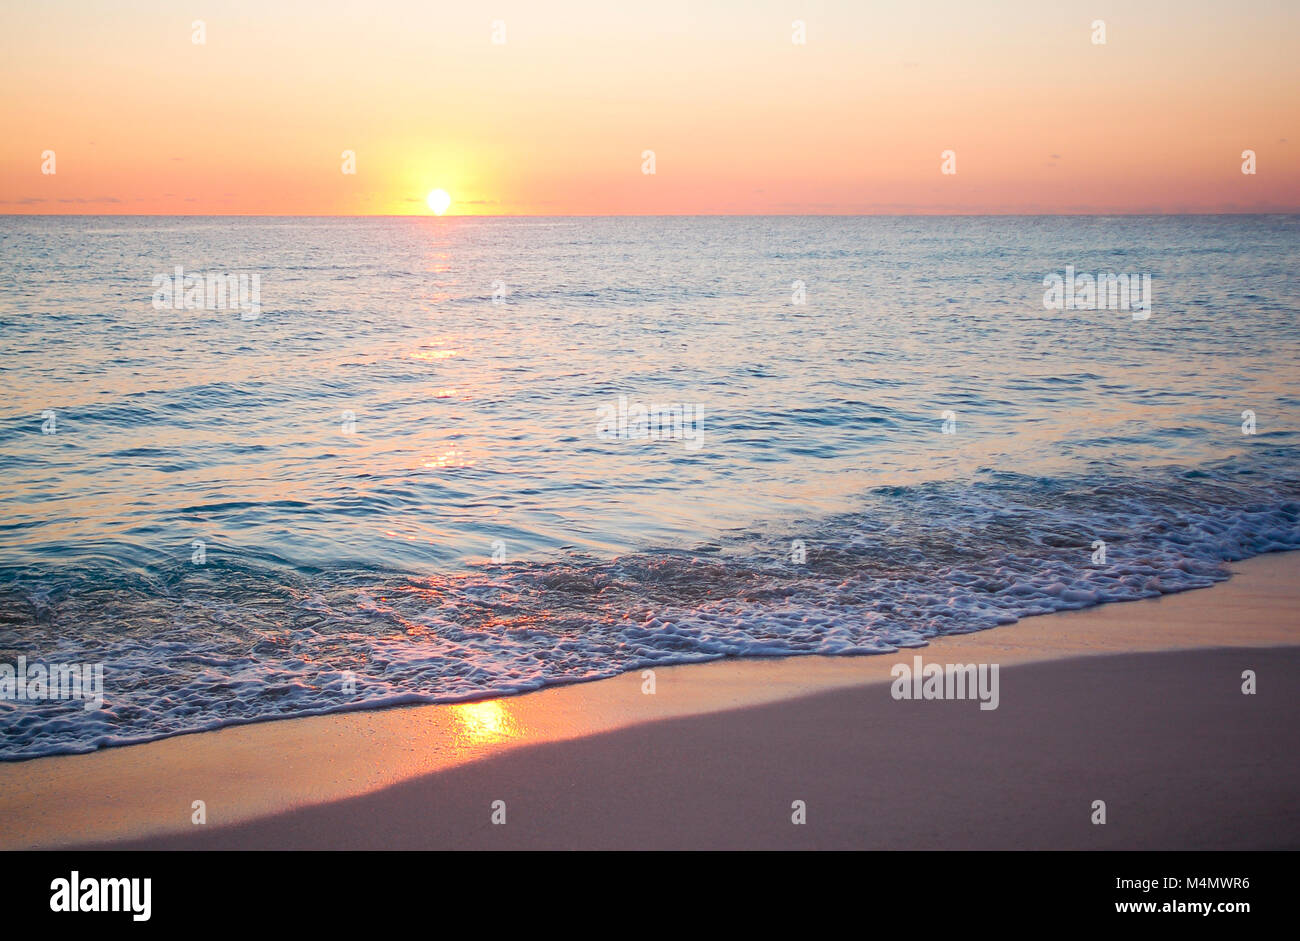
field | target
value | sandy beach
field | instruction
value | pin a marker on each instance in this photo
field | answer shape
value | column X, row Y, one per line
column 1139, row 705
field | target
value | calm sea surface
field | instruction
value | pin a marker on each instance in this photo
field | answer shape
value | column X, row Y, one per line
column 393, row 484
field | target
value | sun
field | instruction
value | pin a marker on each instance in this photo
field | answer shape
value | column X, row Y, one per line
column 439, row 201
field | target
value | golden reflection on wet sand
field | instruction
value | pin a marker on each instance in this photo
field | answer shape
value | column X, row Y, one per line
column 485, row 722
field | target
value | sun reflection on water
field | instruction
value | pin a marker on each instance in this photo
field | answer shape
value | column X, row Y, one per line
column 452, row 457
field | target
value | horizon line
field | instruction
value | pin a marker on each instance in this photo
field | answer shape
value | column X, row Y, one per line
column 647, row 215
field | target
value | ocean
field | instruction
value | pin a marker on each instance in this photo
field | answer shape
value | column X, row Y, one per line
column 391, row 460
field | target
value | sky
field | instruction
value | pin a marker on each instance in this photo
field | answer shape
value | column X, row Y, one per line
column 556, row 119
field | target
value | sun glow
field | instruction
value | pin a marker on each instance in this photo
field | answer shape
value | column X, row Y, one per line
column 439, row 201
column 487, row 721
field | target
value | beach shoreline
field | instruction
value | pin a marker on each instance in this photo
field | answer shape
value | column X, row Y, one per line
column 1137, row 703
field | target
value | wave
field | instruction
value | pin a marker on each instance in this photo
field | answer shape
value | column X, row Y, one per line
column 188, row 648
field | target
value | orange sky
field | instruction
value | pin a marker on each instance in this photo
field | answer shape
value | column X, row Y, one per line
column 742, row 120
